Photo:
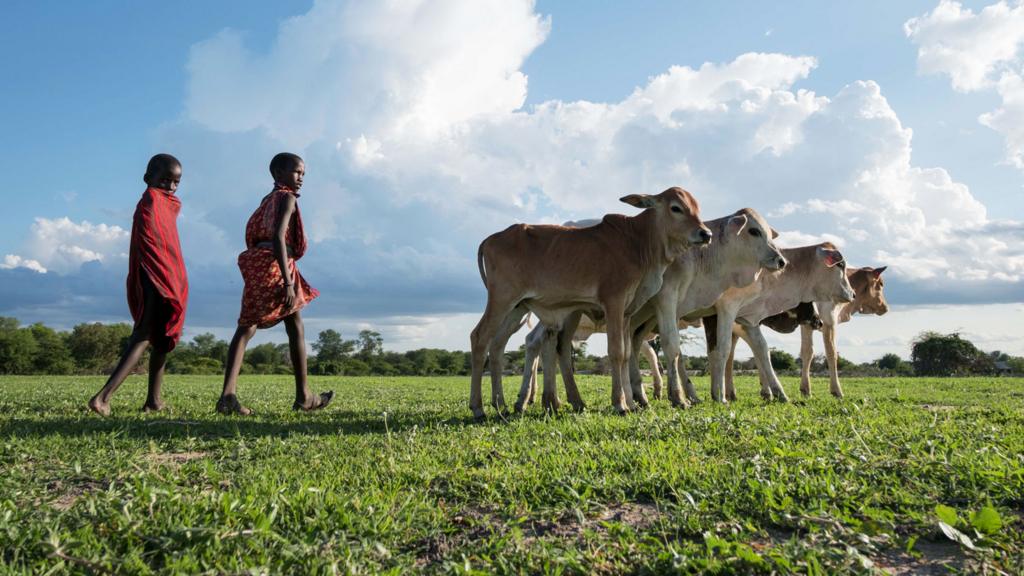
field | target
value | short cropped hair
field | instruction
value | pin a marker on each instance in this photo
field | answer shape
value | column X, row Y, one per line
column 161, row 162
column 283, row 161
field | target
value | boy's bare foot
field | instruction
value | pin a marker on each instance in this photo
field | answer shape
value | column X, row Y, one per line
column 316, row 403
column 153, row 407
column 230, row 405
column 98, row 406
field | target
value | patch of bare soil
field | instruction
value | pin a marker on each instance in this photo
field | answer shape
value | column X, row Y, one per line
column 69, row 491
column 481, row 522
column 935, row 558
column 174, row 459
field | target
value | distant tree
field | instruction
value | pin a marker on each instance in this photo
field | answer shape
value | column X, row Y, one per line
column 17, row 348
column 935, row 354
column 890, row 362
column 370, row 343
column 697, row 363
column 782, row 360
column 268, row 358
column 203, row 344
column 1016, row 364
column 52, row 355
column 331, row 347
column 96, row 347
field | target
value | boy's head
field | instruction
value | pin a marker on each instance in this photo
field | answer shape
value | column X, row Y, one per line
column 288, row 169
column 164, row 172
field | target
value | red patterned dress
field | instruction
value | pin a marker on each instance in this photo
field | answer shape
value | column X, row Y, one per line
column 154, row 256
column 263, row 298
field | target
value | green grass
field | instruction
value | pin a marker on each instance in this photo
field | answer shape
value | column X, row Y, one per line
column 395, row 476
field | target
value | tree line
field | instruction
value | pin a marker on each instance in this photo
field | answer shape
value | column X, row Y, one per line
column 94, row 348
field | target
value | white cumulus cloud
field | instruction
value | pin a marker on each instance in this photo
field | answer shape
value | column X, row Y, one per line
column 979, row 51
column 62, row 245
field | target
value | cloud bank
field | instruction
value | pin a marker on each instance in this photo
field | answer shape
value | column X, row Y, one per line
column 411, row 118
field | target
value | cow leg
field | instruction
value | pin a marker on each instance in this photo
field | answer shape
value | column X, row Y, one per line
column 480, row 340
column 496, row 355
column 549, row 399
column 627, row 352
column 572, row 392
column 668, row 329
column 615, row 321
column 719, row 337
column 730, row 386
column 636, row 380
column 828, row 333
column 691, row 391
column 652, row 359
column 769, row 381
column 527, row 392
column 806, row 357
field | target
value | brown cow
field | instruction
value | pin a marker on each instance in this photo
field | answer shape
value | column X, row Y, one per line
column 869, row 299
column 555, row 271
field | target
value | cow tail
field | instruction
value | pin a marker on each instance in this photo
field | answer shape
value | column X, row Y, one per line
column 480, row 263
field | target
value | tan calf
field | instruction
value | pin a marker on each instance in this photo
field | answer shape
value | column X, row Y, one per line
column 555, row 272
column 814, row 274
column 869, row 299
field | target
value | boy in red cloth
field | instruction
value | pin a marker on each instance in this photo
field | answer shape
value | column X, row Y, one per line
column 274, row 290
column 157, row 283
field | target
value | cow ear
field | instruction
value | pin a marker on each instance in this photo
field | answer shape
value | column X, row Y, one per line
column 878, row 271
column 639, row 200
column 831, row 257
column 736, row 224
column 775, row 233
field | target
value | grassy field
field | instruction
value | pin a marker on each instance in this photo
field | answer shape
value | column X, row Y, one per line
column 396, row 477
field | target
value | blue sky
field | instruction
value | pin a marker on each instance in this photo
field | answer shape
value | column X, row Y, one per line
column 427, row 125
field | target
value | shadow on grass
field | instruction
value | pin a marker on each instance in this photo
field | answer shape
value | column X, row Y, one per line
column 335, row 422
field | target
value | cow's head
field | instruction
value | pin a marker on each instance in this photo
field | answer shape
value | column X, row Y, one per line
column 677, row 217
column 746, row 231
column 831, row 283
column 868, row 285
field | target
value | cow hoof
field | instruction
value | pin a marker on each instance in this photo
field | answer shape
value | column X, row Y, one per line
column 838, row 395
column 518, row 408
column 579, row 408
column 806, row 393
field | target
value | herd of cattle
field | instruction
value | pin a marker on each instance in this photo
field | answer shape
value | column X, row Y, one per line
column 635, row 277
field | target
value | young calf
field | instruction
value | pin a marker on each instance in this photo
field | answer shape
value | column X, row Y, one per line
column 815, row 274
column 869, row 299
column 555, row 272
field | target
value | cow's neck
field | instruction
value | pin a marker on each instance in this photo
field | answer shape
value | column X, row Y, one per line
column 790, row 286
column 653, row 256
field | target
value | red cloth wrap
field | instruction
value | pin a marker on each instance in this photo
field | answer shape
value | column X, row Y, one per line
column 263, row 296
column 156, row 252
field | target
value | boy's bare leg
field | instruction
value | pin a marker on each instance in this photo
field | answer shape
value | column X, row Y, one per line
column 100, row 403
column 157, row 361
column 304, row 397
column 228, row 403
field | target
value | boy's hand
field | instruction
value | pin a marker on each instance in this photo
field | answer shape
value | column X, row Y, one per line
column 289, row 295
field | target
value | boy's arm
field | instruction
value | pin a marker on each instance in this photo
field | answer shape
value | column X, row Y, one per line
column 284, row 216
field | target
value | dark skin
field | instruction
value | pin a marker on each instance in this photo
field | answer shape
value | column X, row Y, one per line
column 165, row 177
column 304, row 398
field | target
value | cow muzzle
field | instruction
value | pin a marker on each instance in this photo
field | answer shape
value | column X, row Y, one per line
column 700, row 236
column 846, row 297
column 776, row 262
